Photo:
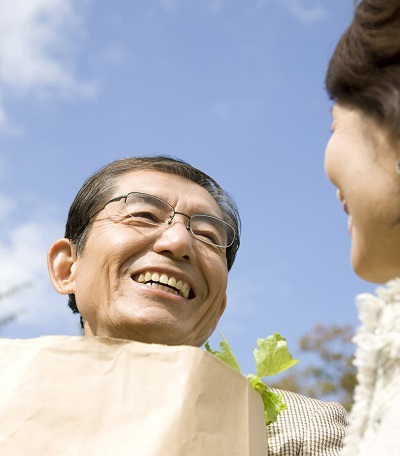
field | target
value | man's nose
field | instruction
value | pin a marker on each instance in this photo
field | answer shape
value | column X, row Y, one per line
column 176, row 238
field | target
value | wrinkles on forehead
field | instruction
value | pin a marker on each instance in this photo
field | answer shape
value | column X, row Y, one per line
column 182, row 194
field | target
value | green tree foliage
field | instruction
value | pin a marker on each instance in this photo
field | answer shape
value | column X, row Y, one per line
column 326, row 353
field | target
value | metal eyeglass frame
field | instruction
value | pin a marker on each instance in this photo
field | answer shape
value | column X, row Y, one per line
column 171, row 218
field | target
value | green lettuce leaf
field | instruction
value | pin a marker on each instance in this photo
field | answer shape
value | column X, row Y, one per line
column 226, row 354
column 271, row 358
column 274, row 403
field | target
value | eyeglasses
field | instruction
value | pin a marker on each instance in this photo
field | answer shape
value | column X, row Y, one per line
column 148, row 211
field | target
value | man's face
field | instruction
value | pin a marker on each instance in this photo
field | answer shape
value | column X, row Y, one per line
column 108, row 275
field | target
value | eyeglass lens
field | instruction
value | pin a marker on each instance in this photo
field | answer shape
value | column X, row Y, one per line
column 152, row 211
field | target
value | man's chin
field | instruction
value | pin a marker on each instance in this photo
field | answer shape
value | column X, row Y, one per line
column 151, row 333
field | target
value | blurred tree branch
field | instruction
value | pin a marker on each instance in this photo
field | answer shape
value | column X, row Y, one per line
column 8, row 318
column 330, row 375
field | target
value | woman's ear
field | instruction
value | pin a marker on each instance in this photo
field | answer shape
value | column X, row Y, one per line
column 60, row 262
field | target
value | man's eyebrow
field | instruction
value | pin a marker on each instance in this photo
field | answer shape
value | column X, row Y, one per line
column 208, row 211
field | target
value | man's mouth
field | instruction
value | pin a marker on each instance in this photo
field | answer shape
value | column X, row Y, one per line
column 162, row 281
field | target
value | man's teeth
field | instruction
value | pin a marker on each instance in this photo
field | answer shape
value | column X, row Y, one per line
column 163, row 282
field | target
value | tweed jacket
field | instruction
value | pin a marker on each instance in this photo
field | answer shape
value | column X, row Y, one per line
column 374, row 421
column 308, row 427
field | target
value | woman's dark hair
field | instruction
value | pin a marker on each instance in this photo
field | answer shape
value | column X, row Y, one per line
column 364, row 71
column 99, row 188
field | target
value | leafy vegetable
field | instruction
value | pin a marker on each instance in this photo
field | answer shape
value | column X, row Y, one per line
column 226, row 355
column 272, row 357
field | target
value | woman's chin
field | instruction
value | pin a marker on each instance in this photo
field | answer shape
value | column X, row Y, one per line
column 373, row 271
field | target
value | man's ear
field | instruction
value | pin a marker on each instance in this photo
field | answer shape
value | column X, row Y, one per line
column 60, row 262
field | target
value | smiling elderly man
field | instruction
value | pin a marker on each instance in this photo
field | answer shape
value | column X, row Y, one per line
column 146, row 252
column 148, row 245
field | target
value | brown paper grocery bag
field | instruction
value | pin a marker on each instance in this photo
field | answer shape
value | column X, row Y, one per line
column 94, row 396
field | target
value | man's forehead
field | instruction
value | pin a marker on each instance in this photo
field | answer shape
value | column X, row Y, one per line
column 168, row 186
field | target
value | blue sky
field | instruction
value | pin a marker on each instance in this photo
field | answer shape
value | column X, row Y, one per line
column 235, row 87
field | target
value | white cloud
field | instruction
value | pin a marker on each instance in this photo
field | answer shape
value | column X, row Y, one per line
column 298, row 9
column 6, row 204
column 169, row 5
column 243, row 301
column 5, row 124
column 252, row 295
column 116, row 53
column 36, row 55
column 223, row 111
column 3, row 117
column 3, row 167
column 216, row 6
column 23, row 252
column 302, row 12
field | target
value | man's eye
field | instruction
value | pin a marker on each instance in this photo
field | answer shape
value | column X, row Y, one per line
column 207, row 236
column 147, row 217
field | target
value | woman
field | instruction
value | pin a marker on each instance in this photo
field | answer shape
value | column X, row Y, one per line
column 363, row 161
